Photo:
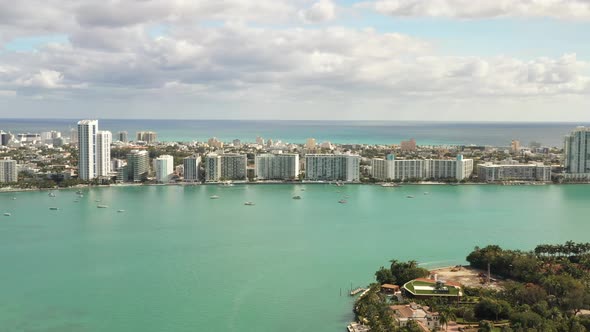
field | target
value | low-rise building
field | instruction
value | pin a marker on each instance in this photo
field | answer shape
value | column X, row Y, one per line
column 490, row 172
column 422, row 315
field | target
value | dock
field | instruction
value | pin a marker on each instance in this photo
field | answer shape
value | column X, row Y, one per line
column 357, row 290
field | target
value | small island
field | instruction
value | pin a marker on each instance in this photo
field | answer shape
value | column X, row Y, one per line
column 546, row 289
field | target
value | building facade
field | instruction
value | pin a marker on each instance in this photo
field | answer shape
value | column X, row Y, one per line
column 212, row 167
column 330, row 167
column 164, row 166
column 277, row 166
column 122, row 136
column 191, row 168
column 87, row 130
column 146, row 136
column 103, row 153
column 8, row 171
column 418, row 169
column 577, row 154
column 530, row 172
column 138, row 165
column 233, row 166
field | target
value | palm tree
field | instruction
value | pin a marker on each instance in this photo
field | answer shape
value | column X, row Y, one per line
column 447, row 316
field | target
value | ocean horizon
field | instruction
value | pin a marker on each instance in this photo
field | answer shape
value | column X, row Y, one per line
column 336, row 131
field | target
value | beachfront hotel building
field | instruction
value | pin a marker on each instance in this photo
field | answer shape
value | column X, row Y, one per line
column 8, row 171
column 122, row 137
column 490, row 172
column 277, row 166
column 103, row 153
column 577, row 154
column 390, row 168
column 146, row 136
column 332, row 167
column 191, row 168
column 138, row 165
column 87, row 130
column 224, row 167
column 164, row 167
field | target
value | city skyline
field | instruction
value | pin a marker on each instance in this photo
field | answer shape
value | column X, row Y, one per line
column 296, row 59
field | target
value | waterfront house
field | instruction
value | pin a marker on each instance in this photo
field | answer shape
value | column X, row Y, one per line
column 422, row 315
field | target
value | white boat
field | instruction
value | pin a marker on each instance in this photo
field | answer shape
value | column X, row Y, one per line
column 296, row 197
column 14, row 198
column 120, row 211
column 79, row 192
column 248, row 203
column 226, row 184
column 426, row 193
column 102, row 206
column 409, row 196
column 214, row 197
column 342, row 201
column 51, row 195
column 389, row 185
column 7, row 214
column 53, row 208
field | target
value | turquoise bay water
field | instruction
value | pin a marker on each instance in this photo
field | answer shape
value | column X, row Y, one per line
column 179, row 261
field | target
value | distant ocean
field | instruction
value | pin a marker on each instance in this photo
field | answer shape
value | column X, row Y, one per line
column 366, row 132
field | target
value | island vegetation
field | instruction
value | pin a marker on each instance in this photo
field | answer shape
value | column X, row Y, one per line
column 546, row 290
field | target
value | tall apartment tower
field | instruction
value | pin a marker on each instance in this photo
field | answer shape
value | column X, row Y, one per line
column 87, row 130
column 191, row 168
column 103, row 153
column 122, row 137
column 577, row 151
column 277, row 166
column 137, row 165
column 8, row 171
column 164, row 166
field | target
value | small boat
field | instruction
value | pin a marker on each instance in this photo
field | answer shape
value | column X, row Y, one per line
column 409, row 196
column 120, row 211
column 249, row 203
column 342, row 201
column 76, row 201
column 389, row 185
column 426, row 193
column 302, row 189
column 97, row 201
column 296, row 197
column 214, row 197
column 7, row 214
column 14, row 198
column 51, row 195
column 53, row 208
column 102, row 206
column 79, row 192
column 80, row 195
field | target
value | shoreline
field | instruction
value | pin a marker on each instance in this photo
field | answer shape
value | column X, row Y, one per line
column 520, row 184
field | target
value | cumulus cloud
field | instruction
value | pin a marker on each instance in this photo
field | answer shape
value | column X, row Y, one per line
column 321, row 11
column 561, row 9
column 111, row 55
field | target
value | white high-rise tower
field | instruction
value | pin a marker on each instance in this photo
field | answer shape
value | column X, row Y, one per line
column 87, row 130
column 103, row 153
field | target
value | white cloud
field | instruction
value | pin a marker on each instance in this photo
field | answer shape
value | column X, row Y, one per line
column 561, row 9
column 321, row 11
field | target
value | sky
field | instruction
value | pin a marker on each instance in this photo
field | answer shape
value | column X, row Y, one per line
column 432, row 60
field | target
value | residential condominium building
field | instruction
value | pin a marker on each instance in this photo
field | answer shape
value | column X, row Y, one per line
column 277, row 166
column 331, row 167
column 416, row 169
column 137, row 165
column 87, row 130
column 103, row 153
column 524, row 172
column 8, row 171
column 224, row 167
column 191, row 168
column 164, row 166
column 577, row 154
column 146, row 136
column 122, row 137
